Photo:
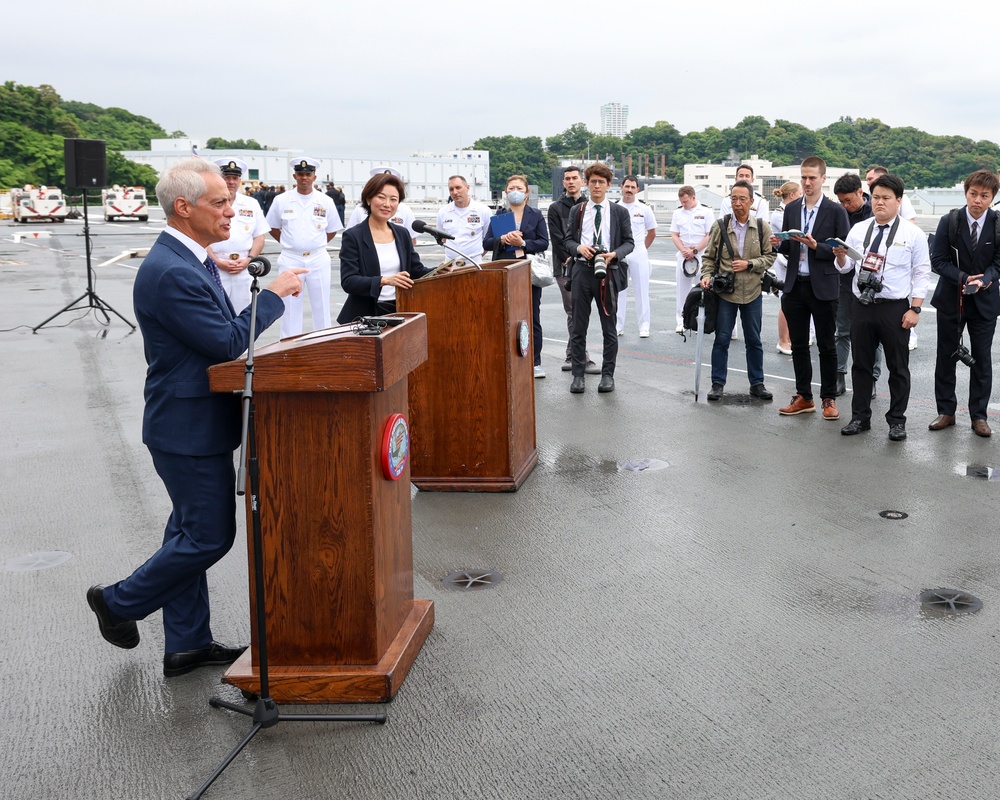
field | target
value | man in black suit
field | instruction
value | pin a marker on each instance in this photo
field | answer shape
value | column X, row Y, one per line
column 812, row 288
column 599, row 235
column 966, row 256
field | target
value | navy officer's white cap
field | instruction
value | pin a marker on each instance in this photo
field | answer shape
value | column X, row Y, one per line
column 382, row 170
column 304, row 164
column 231, row 166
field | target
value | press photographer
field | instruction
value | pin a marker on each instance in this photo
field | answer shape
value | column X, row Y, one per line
column 738, row 254
column 894, row 266
column 967, row 259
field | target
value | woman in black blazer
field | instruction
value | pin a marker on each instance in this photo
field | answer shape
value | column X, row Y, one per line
column 530, row 236
column 376, row 256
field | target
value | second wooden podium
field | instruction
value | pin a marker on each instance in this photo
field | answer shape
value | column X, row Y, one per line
column 342, row 623
column 473, row 401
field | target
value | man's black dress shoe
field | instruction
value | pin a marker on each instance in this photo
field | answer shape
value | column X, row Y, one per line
column 576, row 387
column 124, row 634
column 897, row 432
column 607, row 384
column 855, row 426
column 841, row 383
column 759, row 390
column 715, row 393
column 214, row 655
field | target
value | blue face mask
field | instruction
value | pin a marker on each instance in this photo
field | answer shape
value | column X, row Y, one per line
column 516, row 197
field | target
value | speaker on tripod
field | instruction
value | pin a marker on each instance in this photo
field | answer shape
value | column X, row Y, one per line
column 86, row 162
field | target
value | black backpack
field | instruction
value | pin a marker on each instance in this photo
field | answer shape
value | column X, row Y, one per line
column 695, row 298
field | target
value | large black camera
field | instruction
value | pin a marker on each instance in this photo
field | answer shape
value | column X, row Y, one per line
column 770, row 283
column 962, row 354
column 869, row 285
column 723, row 282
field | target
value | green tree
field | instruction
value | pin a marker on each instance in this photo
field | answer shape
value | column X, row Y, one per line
column 218, row 143
column 514, row 155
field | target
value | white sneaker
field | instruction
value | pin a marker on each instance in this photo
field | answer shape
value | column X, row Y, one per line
column 644, row 333
column 679, row 329
column 539, row 372
column 913, row 339
column 621, row 331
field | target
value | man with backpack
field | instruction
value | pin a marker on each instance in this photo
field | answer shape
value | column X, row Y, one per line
column 739, row 252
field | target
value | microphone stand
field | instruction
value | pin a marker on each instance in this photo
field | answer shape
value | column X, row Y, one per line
column 265, row 712
column 441, row 240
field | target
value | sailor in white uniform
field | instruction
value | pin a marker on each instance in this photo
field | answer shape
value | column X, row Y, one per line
column 304, row 221
column 465, row 219
column 404, row 214
column 644, row 234
column 246, row 236
column 689, row 229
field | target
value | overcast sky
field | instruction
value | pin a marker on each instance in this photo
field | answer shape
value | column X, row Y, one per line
column 347, row 79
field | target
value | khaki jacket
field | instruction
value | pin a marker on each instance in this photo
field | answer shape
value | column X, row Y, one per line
column 759, row 253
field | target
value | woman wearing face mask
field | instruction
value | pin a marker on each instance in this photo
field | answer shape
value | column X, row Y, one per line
column 529, row 237
column 377, row 257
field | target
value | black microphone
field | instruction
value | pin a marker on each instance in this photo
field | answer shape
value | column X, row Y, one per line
column 422, row 227
column 259, row 266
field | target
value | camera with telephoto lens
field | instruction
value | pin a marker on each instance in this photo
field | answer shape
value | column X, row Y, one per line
column 723, row 282
column 598, row 262
column 962, row 354
column 770, row 283
column 869, row 285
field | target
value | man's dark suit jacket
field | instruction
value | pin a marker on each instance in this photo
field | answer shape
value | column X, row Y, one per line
column 536, row 236
column 620, row 233
column 985, row 259
column 360, row 275
column 187, row 325
column 830, row 223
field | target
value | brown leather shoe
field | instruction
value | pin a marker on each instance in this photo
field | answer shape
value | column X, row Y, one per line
column 830, row 409
column 797, row 406
column 981, row 428
column 942, row 421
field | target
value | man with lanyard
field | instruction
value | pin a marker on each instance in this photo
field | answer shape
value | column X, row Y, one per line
column 557, row 219
column 404, row 214
column 690, row 226
column 859, row 208
column 246, row 236
column 812, row 288
column 304, row 222
column 895, row 266
column 644, row 234
column 600, row 234
column 465, row 219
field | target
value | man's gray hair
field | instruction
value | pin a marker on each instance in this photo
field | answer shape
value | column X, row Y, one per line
column 184, row 179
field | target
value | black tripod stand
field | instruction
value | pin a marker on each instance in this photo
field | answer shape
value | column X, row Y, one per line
column 265, row 711
column 90, row 296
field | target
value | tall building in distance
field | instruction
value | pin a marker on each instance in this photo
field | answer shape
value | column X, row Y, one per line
column 614, row 119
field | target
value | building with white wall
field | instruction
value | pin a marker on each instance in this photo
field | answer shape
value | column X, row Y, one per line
column 614, row 119
column 719, row 178
column 426, row 174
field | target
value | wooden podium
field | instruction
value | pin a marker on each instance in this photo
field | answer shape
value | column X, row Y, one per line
column 473, row 402
column 342, row 624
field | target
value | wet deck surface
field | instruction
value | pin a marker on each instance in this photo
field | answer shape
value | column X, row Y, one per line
column 736, row 622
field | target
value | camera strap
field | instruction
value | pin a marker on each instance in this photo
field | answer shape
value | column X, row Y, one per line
column 724, row 231
column 888, row 244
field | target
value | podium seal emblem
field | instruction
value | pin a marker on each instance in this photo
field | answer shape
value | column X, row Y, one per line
column 523, row 338
column 395, row 447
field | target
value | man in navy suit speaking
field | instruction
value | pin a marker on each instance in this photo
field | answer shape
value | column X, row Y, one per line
column 187, row 324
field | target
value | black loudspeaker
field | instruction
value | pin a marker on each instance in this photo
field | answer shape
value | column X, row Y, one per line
column 86, row 163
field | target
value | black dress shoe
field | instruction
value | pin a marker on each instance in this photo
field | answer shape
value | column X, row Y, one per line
column 759, row 390
column 855, row 426
column 124, row 634
column 841, row 383
column 897, row 432
column 607, row 384
column 576, row 387
column 715, row 393
column 214, row 655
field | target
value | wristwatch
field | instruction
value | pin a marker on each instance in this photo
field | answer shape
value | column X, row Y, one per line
column 694, row 250
column 914, row 309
